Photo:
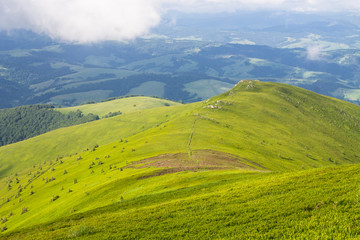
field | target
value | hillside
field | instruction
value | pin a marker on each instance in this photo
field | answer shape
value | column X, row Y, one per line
column 252, row 148
column 17, row 124
column 310, row 204
column 122, row 105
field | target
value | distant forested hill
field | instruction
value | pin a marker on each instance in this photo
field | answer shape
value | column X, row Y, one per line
column 17, row 124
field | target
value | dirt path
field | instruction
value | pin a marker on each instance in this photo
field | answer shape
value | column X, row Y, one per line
column 190, row 140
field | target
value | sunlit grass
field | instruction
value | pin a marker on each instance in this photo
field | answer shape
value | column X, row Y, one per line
column 81, row 182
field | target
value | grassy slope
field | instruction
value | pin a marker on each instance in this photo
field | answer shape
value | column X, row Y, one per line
column 71, row 140
column 310, row 204
column 274, row 125
column 125, row 105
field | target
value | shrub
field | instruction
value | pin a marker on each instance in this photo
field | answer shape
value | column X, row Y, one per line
column 112, row 114
column 24, row 210
column 75, row 180
column 81, row 231
column 3, row 229
column 54, row 198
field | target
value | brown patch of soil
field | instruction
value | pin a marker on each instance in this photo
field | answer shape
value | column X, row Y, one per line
column 199, row 160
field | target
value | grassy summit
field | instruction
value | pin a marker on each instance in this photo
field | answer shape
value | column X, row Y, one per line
column 238, row 164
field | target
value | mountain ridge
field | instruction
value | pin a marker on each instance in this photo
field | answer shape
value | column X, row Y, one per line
column 257, row 130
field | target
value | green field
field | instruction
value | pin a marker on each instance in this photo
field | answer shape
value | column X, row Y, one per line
column 124, row 105
column 311, row 204
column 261, row 161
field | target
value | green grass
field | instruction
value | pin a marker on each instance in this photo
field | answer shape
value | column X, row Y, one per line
column 69, row 141
column 239, row 164
column 125, row 105
column 311, row 204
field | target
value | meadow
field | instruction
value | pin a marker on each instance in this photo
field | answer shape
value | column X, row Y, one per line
column 261, row 161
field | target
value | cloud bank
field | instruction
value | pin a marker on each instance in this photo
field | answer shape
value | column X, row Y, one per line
column 87, row 21
column 81, row 21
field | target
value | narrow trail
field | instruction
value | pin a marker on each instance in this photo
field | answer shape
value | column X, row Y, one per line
column 190, row 140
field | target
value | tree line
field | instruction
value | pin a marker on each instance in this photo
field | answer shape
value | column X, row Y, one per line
column 20, row 123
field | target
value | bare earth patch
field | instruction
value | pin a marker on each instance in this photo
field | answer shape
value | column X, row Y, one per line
column 199, row 160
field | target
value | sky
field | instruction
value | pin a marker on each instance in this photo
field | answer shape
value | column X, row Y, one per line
column 90, row 21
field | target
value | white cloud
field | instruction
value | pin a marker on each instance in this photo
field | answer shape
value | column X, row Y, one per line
column 86, row 21
column 81, row 20
column 314, row 53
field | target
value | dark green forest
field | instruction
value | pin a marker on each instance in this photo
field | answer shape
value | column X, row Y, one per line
column 20, row 123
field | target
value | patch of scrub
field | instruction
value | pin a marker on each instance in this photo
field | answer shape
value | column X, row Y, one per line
column 150, row 88
column 207, row 88
column 204, row 159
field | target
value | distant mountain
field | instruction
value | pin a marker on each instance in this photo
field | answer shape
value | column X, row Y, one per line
column 189, row 57
column 179, row 70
